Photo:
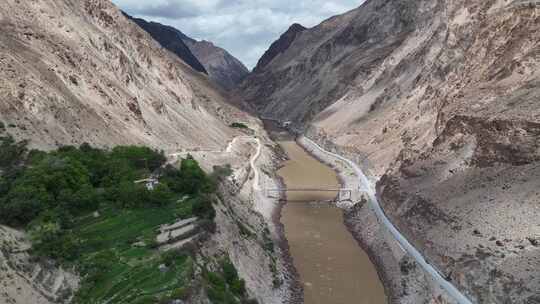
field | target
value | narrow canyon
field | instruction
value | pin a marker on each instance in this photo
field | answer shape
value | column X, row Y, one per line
column 388, row 154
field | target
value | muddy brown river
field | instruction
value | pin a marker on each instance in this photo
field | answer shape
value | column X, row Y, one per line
column 332, row 267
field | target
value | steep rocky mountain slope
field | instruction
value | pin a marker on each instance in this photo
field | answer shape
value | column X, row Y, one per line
column 438, row 99
column 222, row 67
column 79, row 71
column 169, row 38
column 279, row 46
column 27, row 280
column 203, row 56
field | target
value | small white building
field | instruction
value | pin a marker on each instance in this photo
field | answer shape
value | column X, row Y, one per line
column 150, row 183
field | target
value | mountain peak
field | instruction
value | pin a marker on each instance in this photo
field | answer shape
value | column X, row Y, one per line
column 296, row 27
column 279, row 46
column 220, row 66
column 172, row 40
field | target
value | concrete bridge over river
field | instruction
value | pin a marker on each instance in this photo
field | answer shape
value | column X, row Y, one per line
column 341, row 194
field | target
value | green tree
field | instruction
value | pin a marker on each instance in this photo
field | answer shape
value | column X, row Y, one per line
column 237, row 285
column 193, row 179
column 161, row 195
column 129, row 195
column 12, row 153
column 202, row 207
column 83, row 200
column 23, row 203
column 57, row 174
column 140, row 157
column 50, row 240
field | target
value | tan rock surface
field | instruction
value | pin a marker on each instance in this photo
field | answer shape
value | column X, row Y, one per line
column 25, row 280
column 79, row 71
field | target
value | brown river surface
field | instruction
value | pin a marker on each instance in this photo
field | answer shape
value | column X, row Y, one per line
column 332, row 267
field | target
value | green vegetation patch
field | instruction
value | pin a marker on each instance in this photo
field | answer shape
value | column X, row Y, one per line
column 83, row 208
column 239, row 125
column 224, row 286
column 118, row 262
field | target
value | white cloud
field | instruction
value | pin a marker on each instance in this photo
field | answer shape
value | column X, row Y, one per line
column 245, row 28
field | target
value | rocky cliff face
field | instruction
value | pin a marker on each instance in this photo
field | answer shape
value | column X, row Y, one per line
column 171, row 39
column 222, row 67
column 439, row 98
column 79, row 71
column 29, row 280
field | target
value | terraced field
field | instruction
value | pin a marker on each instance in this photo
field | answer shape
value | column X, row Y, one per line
column 123, row 265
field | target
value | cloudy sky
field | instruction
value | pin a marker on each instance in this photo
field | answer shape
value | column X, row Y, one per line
column 245, row 28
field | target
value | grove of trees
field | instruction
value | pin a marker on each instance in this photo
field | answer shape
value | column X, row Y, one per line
column 46, row 191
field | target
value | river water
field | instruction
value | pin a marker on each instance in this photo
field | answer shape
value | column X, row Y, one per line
column 332, row 267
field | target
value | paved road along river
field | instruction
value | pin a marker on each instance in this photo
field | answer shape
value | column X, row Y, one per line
column 332, row 267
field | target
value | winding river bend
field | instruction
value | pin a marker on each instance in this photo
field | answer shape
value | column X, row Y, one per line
column 332, row 267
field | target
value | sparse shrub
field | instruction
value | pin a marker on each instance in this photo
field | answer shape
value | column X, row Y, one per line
column 277, row 282
column 238, row 287
column 180, row 293
column 12, row 153
column 170, row 258
column 239, row 125
column 406, row 266
column 221, row 172
column 208, row 225
column 229, row 271
column 203, row 209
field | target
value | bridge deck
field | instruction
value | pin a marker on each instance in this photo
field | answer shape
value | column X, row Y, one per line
column 309, row 189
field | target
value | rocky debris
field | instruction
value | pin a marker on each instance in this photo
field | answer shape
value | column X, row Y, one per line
column 25, row 280
column 534, row 241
